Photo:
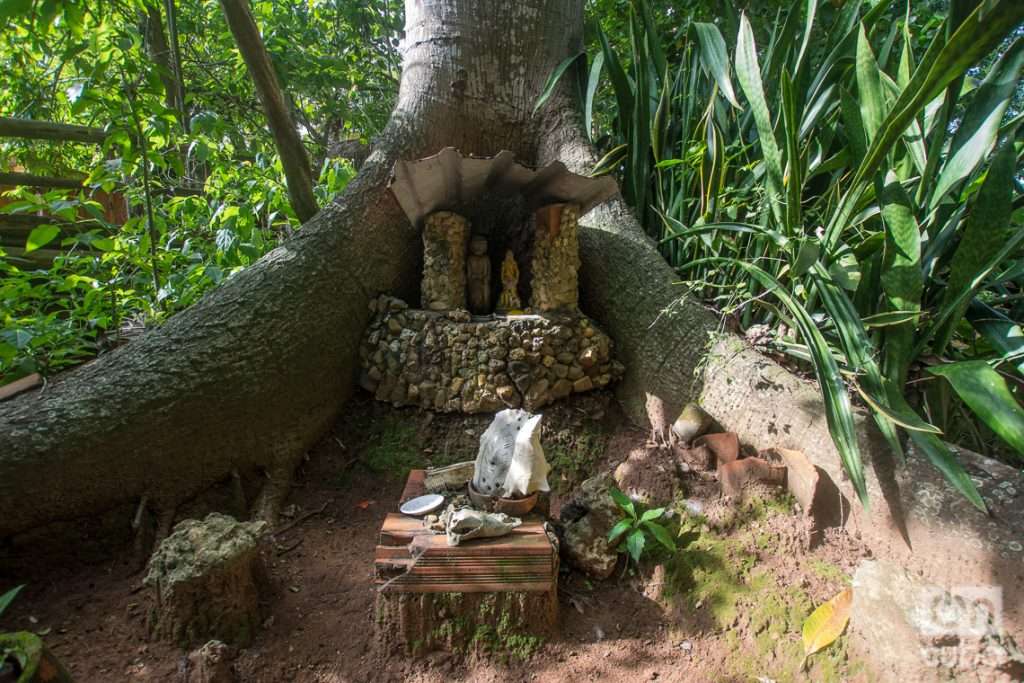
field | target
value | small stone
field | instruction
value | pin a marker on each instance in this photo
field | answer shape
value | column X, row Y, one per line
column 561, row 389
column 691, row 423
column 582, row 384
column 566, row 358
column 560, row 369
column 549, row 361
column 575, row 372
column 588, row 357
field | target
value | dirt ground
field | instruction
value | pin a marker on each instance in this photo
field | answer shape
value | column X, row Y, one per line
column 727, row 607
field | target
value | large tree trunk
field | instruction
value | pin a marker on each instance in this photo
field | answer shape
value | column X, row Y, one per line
column 256, row 371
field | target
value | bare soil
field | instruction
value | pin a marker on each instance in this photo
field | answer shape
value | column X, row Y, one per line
column 728, row 607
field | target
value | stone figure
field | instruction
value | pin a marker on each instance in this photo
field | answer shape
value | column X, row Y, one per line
column 509, row 299
column 478, row 272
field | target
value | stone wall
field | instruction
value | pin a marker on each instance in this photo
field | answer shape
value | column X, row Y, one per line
column 555, row 260
column 445, row 238
column 449, row 363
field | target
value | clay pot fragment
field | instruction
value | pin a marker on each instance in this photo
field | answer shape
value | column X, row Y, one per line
column 698, row 458
column 817, row 494
column 734, row 476
column 725, row 446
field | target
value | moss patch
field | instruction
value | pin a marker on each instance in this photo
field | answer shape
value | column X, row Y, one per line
column 713, row 572
column 491, row 629
column 761, row 619
column 573, row 456
column 829, row 572
column 392, row 447
column 772, row 623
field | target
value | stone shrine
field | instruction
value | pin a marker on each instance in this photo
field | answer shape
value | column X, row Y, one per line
column 496, row 235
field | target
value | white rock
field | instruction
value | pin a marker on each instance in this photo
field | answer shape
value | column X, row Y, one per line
column 510, row 462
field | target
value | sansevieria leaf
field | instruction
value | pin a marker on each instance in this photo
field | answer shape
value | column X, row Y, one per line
column 715, row 59
column 986, row 393
column 988, row 229
column 748, row 71
column 827, row 623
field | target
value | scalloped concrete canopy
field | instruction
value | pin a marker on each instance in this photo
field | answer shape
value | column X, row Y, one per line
column 447, row 180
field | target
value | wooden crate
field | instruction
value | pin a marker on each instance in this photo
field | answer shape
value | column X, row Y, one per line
column 431, row 595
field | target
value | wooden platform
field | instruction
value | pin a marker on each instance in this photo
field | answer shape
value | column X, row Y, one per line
column 481, row 594
column 525, row 560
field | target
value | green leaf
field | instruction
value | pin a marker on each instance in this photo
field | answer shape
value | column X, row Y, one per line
column 715, row 59
column 898, row 411
column 661, row 535
column 901, row 277
column 1001, row 332
column 623, row 501
column 10, row 9
column 748, row 72
column 592, row 82
column 986, row 392
column 652, row 514
column 979, row 127
column 635, row 545
column 7, row 598
column 41, row 236
column 950, row 59
column 987, row 232
column 869, row 88
column 620, row 528
column 552, row 82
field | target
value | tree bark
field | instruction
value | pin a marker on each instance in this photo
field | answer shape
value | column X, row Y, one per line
column 253, row 374
column 289, row 145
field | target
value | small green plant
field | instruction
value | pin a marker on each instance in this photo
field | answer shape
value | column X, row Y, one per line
column 633, row 529
column 7, row 598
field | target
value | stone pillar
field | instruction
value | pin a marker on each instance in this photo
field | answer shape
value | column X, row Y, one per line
column 445, row 237
column 556, row 258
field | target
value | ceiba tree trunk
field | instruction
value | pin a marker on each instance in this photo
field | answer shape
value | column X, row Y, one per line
column 252, row 375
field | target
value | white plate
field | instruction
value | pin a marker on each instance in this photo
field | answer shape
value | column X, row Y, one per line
column 418, row 507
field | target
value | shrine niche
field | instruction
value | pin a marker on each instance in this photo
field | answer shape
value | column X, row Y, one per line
column 499, row 323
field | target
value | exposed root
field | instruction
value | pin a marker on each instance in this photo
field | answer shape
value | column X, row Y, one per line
column 238, row 495
column 272, row 496
column 299, row 520
column 164, row 522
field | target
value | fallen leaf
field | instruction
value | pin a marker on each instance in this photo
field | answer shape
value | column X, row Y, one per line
column 827, row 622
column 363, row 504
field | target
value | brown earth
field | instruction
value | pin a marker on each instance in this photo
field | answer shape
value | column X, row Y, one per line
column 728, row 607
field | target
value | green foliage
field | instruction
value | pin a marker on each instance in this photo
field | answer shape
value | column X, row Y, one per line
column 632, row 531
column 7, row 598
column 206, row 167
column 850, row 178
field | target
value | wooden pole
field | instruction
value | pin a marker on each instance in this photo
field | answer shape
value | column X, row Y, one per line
column 289, row 145
column 47, row 130
column 30, row 180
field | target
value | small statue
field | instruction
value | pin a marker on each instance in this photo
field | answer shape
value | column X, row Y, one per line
column 478, row 272
column 509, row 300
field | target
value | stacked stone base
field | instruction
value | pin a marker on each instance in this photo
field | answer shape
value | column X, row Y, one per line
column 449, row 363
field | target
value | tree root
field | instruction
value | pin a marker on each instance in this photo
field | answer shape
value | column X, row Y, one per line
column 272, row 496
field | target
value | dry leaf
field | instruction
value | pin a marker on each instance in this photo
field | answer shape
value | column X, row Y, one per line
column 827, row 622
